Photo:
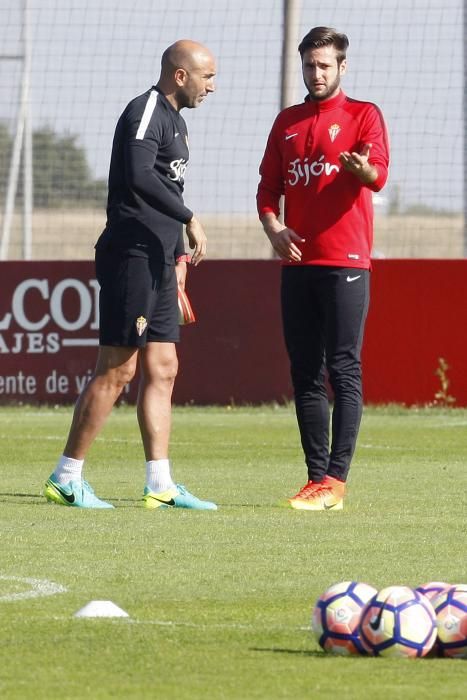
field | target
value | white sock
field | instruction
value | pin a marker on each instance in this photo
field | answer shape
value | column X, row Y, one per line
column 68, row 469
column 158, row 477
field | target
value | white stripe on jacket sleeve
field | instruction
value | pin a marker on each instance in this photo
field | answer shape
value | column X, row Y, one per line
column 147, row 114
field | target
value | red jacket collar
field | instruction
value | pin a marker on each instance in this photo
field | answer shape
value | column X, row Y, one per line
column 326, row 105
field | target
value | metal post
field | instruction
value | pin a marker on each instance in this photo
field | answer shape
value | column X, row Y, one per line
column 27, row 145
column 465, row 128
column 290, row 61
column 290, row 58
column 12, row 186
column 22, row 142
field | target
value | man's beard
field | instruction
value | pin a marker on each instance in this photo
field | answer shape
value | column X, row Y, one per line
column 330, row 89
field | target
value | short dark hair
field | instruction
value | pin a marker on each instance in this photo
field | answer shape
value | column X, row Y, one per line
column 325, row 36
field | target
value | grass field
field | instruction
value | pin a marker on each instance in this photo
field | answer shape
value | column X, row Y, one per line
column 220, row 602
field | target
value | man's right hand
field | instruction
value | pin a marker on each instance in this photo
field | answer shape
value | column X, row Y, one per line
column 282, row 239
column 197, row 240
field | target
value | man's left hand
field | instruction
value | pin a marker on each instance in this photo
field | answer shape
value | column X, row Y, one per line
column 359, row 165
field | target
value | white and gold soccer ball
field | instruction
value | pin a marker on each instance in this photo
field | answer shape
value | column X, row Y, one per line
column 336, row 617
column 398, row 622
column 451, row 620
column 433, row 588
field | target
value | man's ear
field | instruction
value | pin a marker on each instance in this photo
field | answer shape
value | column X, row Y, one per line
column 180, row 76
column 343, row 67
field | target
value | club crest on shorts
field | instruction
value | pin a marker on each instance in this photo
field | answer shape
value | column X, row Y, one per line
column 141, row 325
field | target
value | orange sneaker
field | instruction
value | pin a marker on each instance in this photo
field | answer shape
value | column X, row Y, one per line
column 326, row 495
column 305, row 491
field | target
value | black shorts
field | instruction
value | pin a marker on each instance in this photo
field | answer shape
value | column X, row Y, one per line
column 137, row 300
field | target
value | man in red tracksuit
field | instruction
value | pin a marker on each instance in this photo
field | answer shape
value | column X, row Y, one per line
column 325, row 156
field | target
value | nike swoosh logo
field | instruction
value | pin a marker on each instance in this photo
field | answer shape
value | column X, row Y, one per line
column 375, row 622
column 290, row 136
column 69, row 497
column 177, row 133
column 352, row 279
column 329, row 507
column 171, row 502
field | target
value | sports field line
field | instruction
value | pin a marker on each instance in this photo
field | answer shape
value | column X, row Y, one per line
column 24, row 438
column 393, row 448
column 38, row 588
column 43, row 587
column 5, row 436
column 193, row 625
column 135, row 441
column 222, row 414
column 223, row 625
column 182, row 443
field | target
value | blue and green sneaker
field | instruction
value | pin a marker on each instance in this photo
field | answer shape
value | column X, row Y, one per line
column 78, row 494
column 177, row 497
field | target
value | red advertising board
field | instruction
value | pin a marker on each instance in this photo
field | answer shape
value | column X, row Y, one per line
column 234, row 353
column 418, row 316
column 48, row 330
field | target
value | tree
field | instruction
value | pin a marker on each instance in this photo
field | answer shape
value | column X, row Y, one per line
column 61, row 174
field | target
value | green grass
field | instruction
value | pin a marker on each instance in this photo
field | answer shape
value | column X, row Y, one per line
column 220, row 602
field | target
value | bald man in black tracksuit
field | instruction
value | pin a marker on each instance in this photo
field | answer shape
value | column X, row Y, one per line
column 140, row 264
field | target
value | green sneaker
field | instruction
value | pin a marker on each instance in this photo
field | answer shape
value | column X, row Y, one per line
column 177, row 497
column 78, row 494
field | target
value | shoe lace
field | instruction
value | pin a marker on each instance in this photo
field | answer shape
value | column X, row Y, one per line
column 183, row 491
column 323, row 488
column 306, row 490
column 329, row 490
column 86, row 486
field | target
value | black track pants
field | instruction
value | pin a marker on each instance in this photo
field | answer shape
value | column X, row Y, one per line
column 324, row 311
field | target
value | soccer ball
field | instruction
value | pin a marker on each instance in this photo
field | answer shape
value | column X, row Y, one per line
column 433, row 589
column 451, row 619
column 336, row 616
column 398, row 621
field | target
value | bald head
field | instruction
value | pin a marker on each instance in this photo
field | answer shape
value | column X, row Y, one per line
column 187, row 73
column 184, row 54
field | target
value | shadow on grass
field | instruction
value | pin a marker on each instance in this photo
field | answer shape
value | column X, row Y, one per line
column 38, row 499
column 5, row 496
column 299, row 652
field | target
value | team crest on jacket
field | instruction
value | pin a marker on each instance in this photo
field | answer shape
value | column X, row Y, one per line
column 333, row 130
column 141, row 325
